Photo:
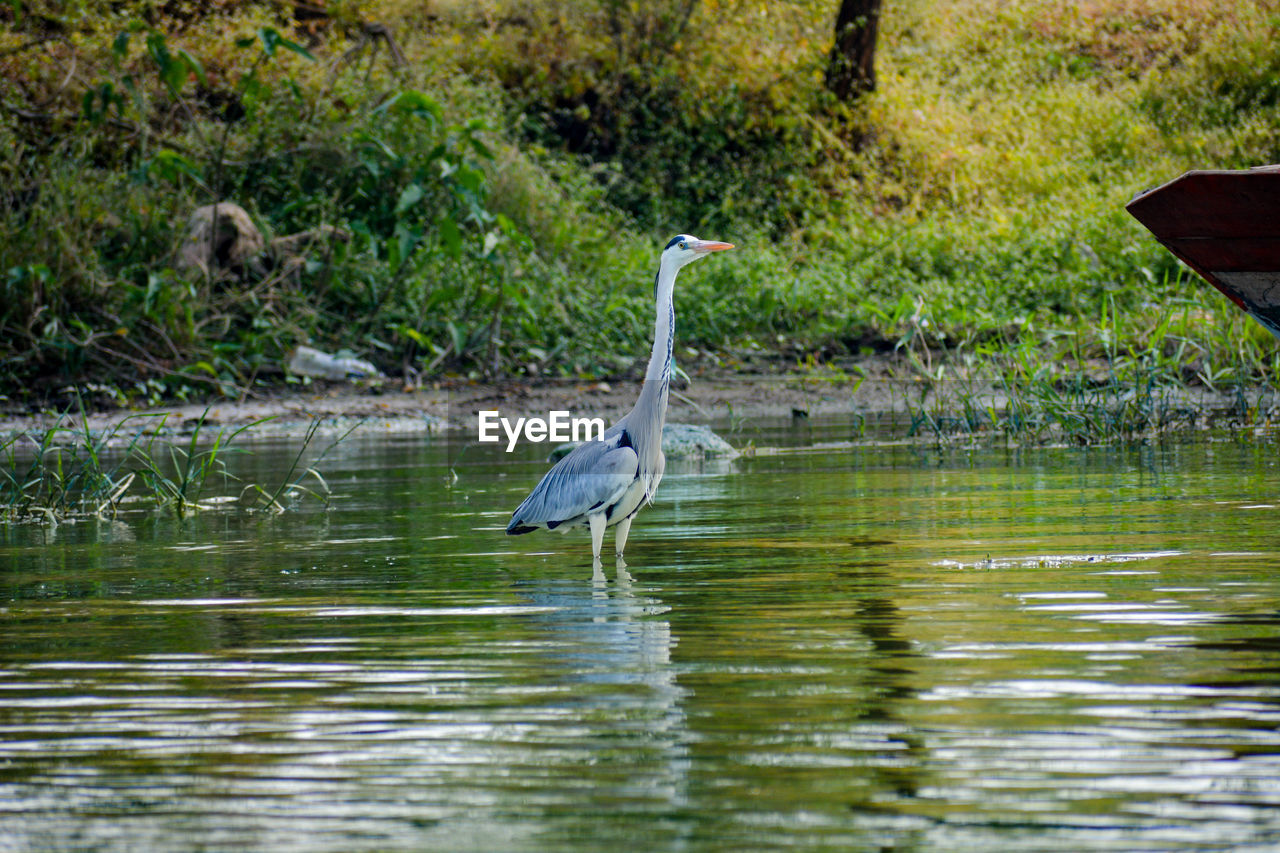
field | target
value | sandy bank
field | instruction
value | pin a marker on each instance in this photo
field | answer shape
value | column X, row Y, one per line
column 455, row 404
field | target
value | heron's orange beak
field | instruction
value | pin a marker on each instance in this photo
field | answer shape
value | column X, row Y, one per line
column 704, row 246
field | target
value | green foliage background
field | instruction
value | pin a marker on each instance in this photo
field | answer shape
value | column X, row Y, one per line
column 506, row 187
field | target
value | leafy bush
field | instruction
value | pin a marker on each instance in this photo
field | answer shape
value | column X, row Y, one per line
column 426, row 260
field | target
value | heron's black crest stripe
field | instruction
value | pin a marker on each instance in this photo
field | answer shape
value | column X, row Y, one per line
column 671, row 340
column 674, row 240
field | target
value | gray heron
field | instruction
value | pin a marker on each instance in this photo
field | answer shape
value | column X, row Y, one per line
column 604, row 483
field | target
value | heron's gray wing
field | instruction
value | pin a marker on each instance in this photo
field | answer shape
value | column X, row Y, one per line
column 593, row 475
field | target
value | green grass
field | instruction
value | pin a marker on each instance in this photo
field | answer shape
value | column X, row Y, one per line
column 505, row 192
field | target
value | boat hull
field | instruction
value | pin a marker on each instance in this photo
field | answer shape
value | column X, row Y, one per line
column 1225, row 225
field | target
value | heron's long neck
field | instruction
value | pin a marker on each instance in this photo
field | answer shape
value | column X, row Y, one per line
column 664, row 330
column 652, row 404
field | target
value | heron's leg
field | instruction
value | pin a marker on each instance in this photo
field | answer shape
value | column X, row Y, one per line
column 597, row 534
column 624, row 527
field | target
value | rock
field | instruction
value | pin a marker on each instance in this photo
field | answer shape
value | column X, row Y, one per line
column 239, row 246
column 679, row 441
column 687, row 441
column 237, row 243
column 560, row 451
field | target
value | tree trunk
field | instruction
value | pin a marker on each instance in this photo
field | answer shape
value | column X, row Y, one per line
column 851, row 68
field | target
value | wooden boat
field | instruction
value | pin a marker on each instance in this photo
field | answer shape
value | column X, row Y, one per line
column 1225, row 225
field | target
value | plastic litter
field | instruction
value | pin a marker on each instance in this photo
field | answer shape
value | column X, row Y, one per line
column 307, row 361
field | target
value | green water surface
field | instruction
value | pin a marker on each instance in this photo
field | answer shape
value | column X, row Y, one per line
column 829, row 647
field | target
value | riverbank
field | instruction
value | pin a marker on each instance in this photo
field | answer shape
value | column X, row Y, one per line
column 947, row 402
column 446, row 404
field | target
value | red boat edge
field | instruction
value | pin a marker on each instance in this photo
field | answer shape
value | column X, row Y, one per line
column 1225, row 225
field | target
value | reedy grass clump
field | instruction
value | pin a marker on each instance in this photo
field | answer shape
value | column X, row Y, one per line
column 45, row 475
column 1096, row 391
column 66, row 470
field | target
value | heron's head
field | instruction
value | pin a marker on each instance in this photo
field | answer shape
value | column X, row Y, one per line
column 684, row 249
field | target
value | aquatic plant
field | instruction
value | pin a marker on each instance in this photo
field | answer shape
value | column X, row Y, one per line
column 1112, row 388
column 177, row 476
column 60, row 470
column 66, row 469
column 292, row 482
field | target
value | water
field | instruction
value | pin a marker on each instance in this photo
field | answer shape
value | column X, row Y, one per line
column 880, row 647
